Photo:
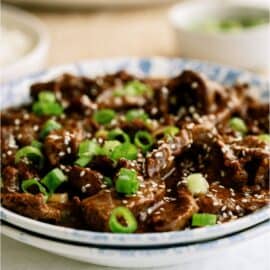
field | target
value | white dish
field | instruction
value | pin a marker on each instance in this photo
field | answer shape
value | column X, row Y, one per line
column 138, row 258
column 33, row 58
column 247, row 48
column 15, row 93
column 88, row 3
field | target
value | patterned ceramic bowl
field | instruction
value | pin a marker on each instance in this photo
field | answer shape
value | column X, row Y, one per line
column 16, row 92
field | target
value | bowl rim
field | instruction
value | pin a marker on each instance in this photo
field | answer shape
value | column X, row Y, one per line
column 247, row 234
column 143, row 66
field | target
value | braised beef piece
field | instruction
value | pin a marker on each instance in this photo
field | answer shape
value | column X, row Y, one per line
column 61, row 145
column 10, row 179
column 236, row 166
column 85, row 181
column 97, row 209
column 30, row 205
column 175, row 213
column 193, row 89
column 229, row 203
column 104, row 165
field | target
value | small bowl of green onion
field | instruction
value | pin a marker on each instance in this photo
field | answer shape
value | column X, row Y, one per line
column 234, row 32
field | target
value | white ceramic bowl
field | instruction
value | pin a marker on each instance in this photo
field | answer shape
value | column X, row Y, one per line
column 17, row 92
column 249, row 48
column 33, row 59
column 147, row 257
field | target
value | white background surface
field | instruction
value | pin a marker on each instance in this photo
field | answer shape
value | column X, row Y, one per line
column 251, row 255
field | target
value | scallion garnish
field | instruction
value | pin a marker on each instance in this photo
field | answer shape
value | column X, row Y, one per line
column 127, row 181
column 31, row 153
column 143, row 140
column 46, row 96
column 203, row 219
column 87, row 150
column 128, row 224
column 49, row 126
column 34, row 183
column 104, row 116
column 109, row 146
column 47, row 105
column 197, row 184
column 119, row 135
column 134, row 88
column 53, row 180
column 265, row 138
column 171, row 130
column 238, row 124
column 136, row 114
column 125, row 150
column 37, row 144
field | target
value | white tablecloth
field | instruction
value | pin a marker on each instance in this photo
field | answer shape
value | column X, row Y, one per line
column 251, row 255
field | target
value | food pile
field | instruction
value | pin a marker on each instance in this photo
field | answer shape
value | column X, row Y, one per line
column 122, row 154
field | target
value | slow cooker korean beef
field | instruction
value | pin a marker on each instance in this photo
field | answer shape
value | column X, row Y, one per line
column 127, row 155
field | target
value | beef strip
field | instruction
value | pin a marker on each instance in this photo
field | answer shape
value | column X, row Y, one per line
column 84, row 181
column 10, row 179
column 175, row 213
column 97, row 209
column 230, row 204
column 62, row 145
column 30, row 205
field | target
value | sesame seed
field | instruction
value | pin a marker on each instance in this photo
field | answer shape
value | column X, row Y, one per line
column 17, row 122
column 35, row 127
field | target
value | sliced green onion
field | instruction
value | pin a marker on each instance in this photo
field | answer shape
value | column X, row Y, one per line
column 108, row 181
column 122, row 214
column 104, row 116
column 127, row 181
column 197, row 184
column 265, row 138
column 37, row 144
column 87, row 150
column 136, row 114
column 171, row 130
column 200, row 220
column 83, row 161
column 54, row 179
column 143, row 140
column 109, row 146
column 237, row 124
column 119, row 135
column 47, row 108
column 102, row 133
column 49, row 126
column 26, row 184
column 136, row 88
column 125, row 150
column 133, row 88
column 46, row 96
column 31, row 153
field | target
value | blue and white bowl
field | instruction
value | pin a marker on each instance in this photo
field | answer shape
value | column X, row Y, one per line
column 183, row 255
column 17, row 92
